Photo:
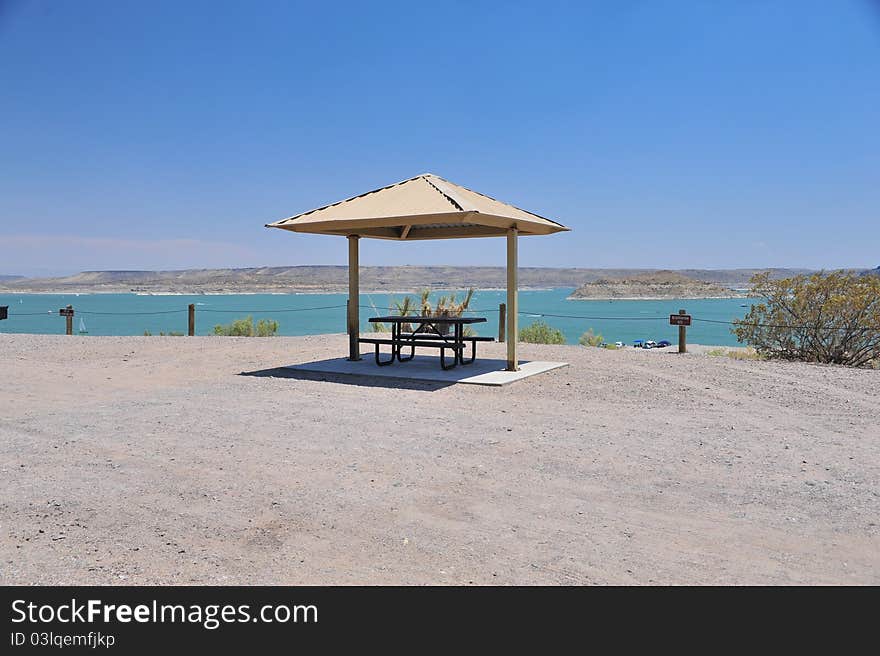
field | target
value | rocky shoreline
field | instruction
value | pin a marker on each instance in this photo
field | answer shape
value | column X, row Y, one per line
column 657, row 285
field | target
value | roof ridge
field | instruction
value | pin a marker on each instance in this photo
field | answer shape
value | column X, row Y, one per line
column 448, row 194
column 498, row 201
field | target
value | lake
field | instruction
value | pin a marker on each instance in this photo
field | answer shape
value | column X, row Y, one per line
column 310, row 314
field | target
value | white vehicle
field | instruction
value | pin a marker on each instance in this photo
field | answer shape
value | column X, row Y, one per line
column 650, row 344
column 618, row 344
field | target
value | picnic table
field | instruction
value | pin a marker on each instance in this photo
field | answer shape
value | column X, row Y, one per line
column 432, row 332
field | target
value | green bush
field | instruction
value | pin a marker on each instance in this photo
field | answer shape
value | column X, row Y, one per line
column 823, row 317
column 589, row 338
column 246, row 328
column 238, row 328
column 541, row 333
column 267, row 328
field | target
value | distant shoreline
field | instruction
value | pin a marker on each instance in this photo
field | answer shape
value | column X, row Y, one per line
column 311, row 292
column 337, row 292
column 654, row 298
column 396, row 280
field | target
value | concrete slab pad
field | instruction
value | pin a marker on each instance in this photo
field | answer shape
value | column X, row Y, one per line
column 424, row 367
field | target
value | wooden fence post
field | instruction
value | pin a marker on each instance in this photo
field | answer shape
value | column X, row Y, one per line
column 68, row 316
column 682, row 336
column 502, row 321
column 192, row 319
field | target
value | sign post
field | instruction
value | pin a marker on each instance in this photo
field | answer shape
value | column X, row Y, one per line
column 682, row 320
column 191, row 328
column 67, row 313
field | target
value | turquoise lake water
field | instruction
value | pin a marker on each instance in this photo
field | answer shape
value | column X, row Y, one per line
column 130, row 314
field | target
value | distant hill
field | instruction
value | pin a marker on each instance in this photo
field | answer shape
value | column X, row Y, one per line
column 652, row 285
column 5, row 278
column 872, row 272
column 328, row 279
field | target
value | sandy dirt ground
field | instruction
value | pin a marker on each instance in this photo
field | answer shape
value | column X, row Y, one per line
column 138, row 460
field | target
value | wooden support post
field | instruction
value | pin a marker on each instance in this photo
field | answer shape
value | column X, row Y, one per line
column 69, row 319
column 512, row 301
column 682, row 336
column 354, row 316
column 192, row 320
column 502, row 319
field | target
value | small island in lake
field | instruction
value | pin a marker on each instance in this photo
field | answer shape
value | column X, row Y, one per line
column 651, row 285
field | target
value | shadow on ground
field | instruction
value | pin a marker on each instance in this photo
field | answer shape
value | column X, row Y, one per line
column 350, row 379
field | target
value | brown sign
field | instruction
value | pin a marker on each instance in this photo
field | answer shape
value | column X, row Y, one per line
column 66, row 312
column 4, row 311
column 679, row 320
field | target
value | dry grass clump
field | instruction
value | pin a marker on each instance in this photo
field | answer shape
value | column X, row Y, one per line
column 736, row 354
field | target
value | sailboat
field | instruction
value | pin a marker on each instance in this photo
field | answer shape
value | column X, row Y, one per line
column 82, row 327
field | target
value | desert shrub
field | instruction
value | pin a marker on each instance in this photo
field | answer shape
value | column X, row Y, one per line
column 590, row 338
column 246, row 328
column 736, row 354
column 823, row 317
column 147, row 333
column 378, row 327
column 238, row 328
column 267, row 328
column 446, row 306
column 747, row 354
column 612, row 347
column 541, row 333
column 404, row 308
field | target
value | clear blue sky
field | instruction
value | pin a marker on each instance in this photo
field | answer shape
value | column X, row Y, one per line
column 666, row 134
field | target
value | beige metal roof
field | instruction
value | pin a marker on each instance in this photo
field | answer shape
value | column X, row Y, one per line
column 423, row 207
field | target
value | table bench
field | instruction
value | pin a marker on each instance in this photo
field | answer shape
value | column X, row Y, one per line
column 437, row 339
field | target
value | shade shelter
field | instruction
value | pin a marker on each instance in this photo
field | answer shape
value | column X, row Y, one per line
column 423, row 207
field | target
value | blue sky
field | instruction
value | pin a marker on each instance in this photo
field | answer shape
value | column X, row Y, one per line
column 666, row 134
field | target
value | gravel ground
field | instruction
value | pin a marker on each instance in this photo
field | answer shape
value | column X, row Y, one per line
column 142, row 460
